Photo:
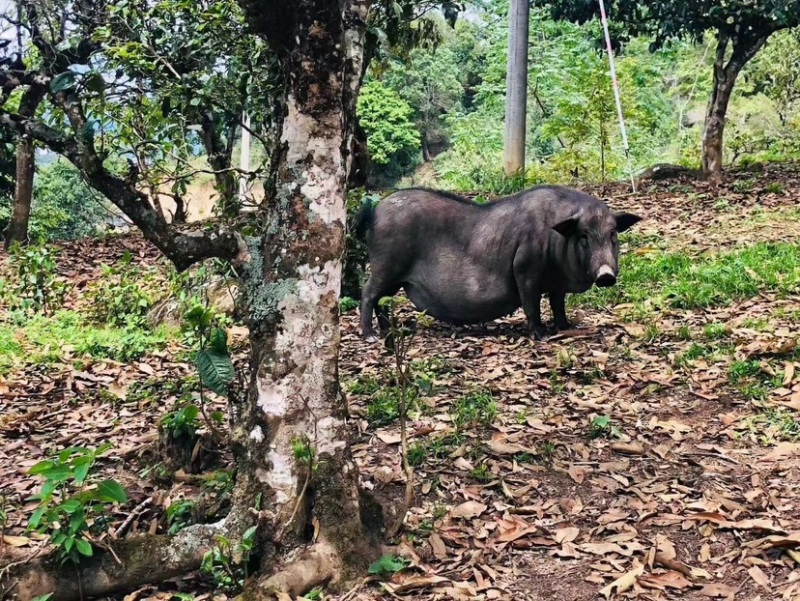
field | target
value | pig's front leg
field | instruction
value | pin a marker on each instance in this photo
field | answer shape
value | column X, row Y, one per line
column 559, row 307
column 529, row 285
column 531, row 300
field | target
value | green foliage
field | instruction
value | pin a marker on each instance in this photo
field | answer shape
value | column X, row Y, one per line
column 63, row 206
column 45, row 340
column 347, row 305
column 690, row 282
column 183, row 422
column 226, row 564
column 603, row 427
column 35, row 286
column 179, row 515
column 121, row 298
column 69, row 509
column 387, row 565
column 475, row 408
column 386, row 118
column 212, row 359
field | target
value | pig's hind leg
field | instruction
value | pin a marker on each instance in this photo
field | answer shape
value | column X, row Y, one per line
column 374, row 290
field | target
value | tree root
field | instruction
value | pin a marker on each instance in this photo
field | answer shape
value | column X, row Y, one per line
column 317, row 565
column 135, row 561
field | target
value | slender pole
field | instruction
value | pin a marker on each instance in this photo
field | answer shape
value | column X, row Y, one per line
column 244, row 163
column 516, row 88
column 604, row 19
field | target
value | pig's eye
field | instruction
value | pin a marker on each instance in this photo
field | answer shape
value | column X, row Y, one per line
column 584, row 238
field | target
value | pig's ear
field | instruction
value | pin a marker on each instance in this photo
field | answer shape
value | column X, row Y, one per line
column 626, row 221
column 567, row 227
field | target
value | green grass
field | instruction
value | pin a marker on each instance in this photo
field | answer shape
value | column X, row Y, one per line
column 695, row 282
column 46, row 340
column 475, row 408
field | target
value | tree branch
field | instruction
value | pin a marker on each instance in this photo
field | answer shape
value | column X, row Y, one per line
column 182, row 248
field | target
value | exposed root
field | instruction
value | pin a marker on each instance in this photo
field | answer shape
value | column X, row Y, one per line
column 315, row 566
column 133, row 562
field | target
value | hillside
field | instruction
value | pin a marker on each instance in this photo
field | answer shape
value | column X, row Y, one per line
column 660, row 439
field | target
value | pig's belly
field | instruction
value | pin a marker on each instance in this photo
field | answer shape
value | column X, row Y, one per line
column 459, row 304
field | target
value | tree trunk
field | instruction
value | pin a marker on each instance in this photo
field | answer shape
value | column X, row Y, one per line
column 295, row 475
column 724, row 81
column 290, row 431
column 17, row 229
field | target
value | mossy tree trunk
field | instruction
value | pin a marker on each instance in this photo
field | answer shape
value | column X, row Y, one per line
column 295, row 476
column 293, row 412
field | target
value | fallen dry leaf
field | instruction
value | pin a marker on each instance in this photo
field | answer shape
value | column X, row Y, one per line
column 468, row 510
column 623, row 583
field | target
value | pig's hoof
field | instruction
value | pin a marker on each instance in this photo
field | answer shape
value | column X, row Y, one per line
column 539, row 333
column 371, row 338
column 565, row 326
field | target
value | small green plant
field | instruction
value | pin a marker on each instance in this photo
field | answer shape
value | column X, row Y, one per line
column 388, row 565
column 774, row 188
column 684, row 333
column 315, row 594
column 715, row 331
column 179, row 515
column 475, row 408
column 603, row 427
column 417, row 453
column 183, row 422
column 70, row 510
column 34, row 287
column 121, row 298
column 347, row 305
column 226, row 564
column 547, row 450
column 212, row 358
column 482, row 473
column 303, row 451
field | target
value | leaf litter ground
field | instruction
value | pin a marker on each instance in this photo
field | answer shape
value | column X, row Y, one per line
column 653, row 453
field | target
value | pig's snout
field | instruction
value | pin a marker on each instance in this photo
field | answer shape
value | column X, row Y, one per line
column 605, row 277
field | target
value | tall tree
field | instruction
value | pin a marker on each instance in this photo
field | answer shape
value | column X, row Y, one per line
column 741, row 29
column 516, row 88
column 288, row 253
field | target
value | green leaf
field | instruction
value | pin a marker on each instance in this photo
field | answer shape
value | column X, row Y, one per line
column 218, row 341
column 41, row 467
column 36, row 518
column 111, row 491
column 63, row 81
column 70, row 506
column 84, row 548
column 43, row 597
column 387, row 564
column 95, row 81
column 216, row 371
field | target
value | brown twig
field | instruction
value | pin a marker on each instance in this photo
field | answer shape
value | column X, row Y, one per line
column 137, row 511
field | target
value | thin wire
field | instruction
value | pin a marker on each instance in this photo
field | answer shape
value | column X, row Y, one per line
column 616, row 92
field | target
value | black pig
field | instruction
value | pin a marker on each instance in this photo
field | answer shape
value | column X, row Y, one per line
column 463, row 262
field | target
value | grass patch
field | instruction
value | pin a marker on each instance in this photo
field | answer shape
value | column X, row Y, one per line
column 45, row 340
column 695, row 282
column 774, row 425
column 474, row 408
column 752, row 382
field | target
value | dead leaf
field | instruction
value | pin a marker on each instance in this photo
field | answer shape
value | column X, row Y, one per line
column 16, row 541
column 437, row 546
column 566, row 535
column 717, row 590
column 623, row 583
column 468, row 510
column 665, row 580
column 760, row 578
